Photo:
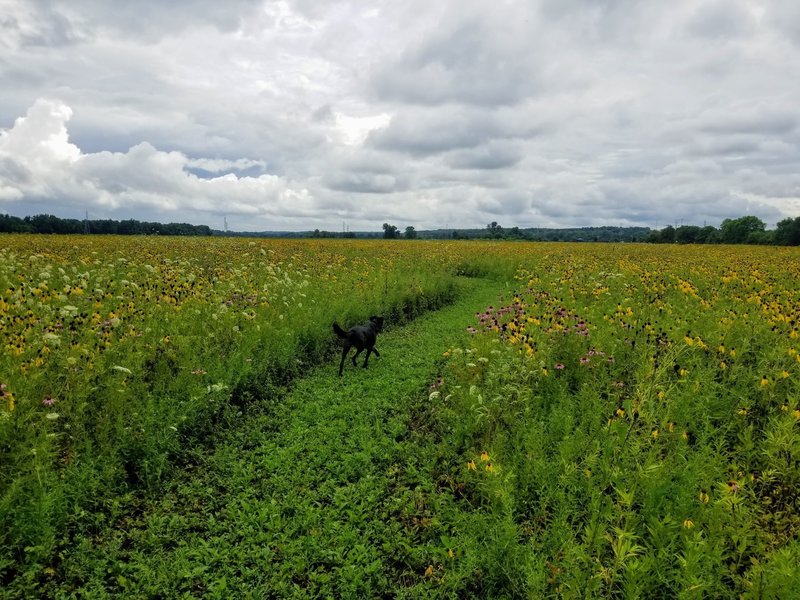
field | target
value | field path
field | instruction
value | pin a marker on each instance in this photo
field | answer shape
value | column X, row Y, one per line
column 315, row 494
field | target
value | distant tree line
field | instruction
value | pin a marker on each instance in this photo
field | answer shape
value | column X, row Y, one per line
column 744, row 230
column 52, row 224
column 495, row 231
column 332, row 234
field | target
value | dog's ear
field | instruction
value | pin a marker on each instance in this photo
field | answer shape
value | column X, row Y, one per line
column 379, row 322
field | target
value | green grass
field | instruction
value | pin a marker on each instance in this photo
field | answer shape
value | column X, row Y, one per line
column 118, row 354
column 629, row 426
column 325, row 490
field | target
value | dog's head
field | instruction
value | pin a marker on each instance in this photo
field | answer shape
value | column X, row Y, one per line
column 377, row 322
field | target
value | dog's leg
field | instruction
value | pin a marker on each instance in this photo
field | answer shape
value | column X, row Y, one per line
column 375, row 352
column 355, row 356
column 344, row 355
column 366, row 358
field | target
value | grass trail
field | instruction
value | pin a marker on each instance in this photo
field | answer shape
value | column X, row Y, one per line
column 318, row 494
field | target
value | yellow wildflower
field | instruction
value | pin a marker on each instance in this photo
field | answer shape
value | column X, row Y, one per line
column 485, row 456
column 471, row 465
column 688, row 523
column 703, row 496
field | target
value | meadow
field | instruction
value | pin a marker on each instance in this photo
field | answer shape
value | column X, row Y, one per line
column 602, row 421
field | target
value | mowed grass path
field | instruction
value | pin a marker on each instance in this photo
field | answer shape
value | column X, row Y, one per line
column 322, row 492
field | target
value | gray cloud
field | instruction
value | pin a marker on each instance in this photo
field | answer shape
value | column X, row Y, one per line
column 361, row 182
column 300, row 114
column 464, row 62
column 494, row 155
column 722, row 21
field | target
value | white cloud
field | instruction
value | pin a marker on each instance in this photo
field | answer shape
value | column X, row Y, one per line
column 297, row 114
column 41, row 164
column 354, row 130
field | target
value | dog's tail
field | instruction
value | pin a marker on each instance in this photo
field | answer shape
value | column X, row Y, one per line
column 339, row 331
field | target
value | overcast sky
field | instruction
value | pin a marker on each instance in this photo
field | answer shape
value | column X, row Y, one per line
column 305, row 114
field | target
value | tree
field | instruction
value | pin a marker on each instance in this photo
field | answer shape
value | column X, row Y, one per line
column 708, row 235
column 687, row 234
column 411, row 233
column 495, row 231
column 738, row 231
column 390, row 232
column 787, row 232
column 9, row 224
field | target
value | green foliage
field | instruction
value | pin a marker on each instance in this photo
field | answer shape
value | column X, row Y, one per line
column 619, row 423
column 634, row 462
column 53, row 224
column 119, row 358
column 744, row 230
column 741, row 231
column 390, row 232
column 787, row 232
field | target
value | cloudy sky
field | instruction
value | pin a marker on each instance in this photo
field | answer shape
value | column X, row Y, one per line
column 303, row 114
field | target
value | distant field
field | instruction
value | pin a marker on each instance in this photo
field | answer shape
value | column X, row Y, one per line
column 625, row 421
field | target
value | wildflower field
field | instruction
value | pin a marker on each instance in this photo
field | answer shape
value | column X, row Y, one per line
column 545, row 420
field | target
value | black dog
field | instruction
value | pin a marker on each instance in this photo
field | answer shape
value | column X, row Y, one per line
column 362, row 337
